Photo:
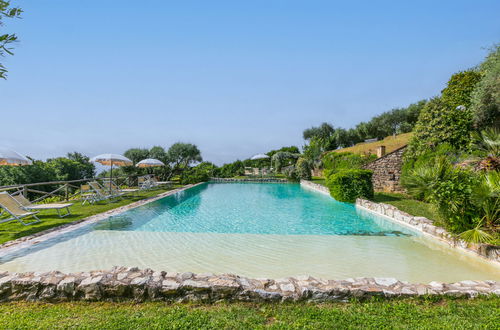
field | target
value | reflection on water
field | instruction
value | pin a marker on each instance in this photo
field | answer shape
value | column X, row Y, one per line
column 284, row 209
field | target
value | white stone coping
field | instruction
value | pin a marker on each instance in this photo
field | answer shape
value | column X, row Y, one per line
column 315, row 186
column 28, row 241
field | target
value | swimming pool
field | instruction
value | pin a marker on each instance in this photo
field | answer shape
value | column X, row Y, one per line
column 253, row 229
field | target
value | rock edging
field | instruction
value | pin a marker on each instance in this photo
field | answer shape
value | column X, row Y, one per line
column 121, row 284
column 315, row 186
column 421, row 224
column 426, row 226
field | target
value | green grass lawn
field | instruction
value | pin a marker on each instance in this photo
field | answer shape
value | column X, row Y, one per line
column 402, row 202
column 319, row 180
column 13, row 229
column 483, row 313
column 408, row 205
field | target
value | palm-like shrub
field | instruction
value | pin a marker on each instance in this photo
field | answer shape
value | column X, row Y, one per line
column 422, row 180
column 486, row 197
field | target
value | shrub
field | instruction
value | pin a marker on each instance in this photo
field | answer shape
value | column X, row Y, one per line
column 453, row 197
column 303, row 169
column 485, row 103
column 459, row 88
column 337, row 161
column 450, row 189
column 416, row 169
column 199, row 173
column 440, row 123
column 348, row 184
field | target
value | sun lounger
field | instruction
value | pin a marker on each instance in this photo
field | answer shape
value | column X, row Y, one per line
column 115, row 190
column 27, row 205
column 87, row 194
column 159, row 183
column 143, row 182
column 11, row 206
column 100, row 193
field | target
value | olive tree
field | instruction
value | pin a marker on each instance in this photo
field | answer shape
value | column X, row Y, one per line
column 182, row 155
column 6, row 39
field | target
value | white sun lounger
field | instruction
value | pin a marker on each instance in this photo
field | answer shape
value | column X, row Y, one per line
column 11, row 206
column 27, row 205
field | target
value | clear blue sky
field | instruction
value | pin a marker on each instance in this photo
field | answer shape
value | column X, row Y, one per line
column 234, row 77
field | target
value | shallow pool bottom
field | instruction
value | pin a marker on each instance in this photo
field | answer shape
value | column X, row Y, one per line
column 273, row 256
column 254, row 230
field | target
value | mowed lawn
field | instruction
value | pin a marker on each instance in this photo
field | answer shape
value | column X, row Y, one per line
column 402, row 202
column 408, row 205
column 49, row 219
column 481, row 313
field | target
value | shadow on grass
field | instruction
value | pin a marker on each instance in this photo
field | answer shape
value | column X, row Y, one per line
column 383, row 197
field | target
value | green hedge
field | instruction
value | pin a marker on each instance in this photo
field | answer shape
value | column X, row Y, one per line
column 347, row 185
column 338, row 161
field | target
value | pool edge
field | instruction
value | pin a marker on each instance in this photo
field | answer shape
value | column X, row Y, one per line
column 27, row 241
column 421, row 225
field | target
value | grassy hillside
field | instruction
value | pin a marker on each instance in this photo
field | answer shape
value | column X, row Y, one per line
column 391, row 143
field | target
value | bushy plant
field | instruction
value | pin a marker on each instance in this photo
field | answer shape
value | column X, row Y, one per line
column 459, row 88
column 453, row 197
column 337, row 161
column 485, row 100
column 440, row 123
column 303, row 169
column 290, row 173
column 230, row 170
column 200, row 173
column 348, row 184
column 451, row 189
column 281, row 159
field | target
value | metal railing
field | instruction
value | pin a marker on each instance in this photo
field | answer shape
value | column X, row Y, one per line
column 65, row 189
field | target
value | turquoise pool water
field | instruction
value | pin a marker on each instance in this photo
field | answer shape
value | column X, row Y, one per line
column 256, row 230
column 247, row 208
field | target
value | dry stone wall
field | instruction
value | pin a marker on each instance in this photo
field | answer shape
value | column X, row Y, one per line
column 387, row 172
column 121, row 284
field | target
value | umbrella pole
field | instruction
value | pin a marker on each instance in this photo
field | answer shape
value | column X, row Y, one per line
column 111, row 176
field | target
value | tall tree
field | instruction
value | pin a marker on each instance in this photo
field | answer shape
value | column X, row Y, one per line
column 136, row 154
column 485, row 103
column 322, row 136
column 182, row 155
column 6, row 39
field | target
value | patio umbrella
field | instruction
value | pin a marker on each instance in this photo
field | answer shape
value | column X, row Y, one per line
column 259, row 156
column 150, row 162
column 110, row 160
column 12, row 158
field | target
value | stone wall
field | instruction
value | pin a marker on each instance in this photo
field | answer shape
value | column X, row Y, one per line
column 387, row 171
column 315, row 186
column 424, row 225
column 133, row 284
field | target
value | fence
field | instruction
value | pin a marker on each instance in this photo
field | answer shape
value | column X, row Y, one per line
column 64, row 189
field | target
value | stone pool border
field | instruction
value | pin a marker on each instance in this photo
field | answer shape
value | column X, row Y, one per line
column 27, row 241
column 133, row 284
column 423, row 225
